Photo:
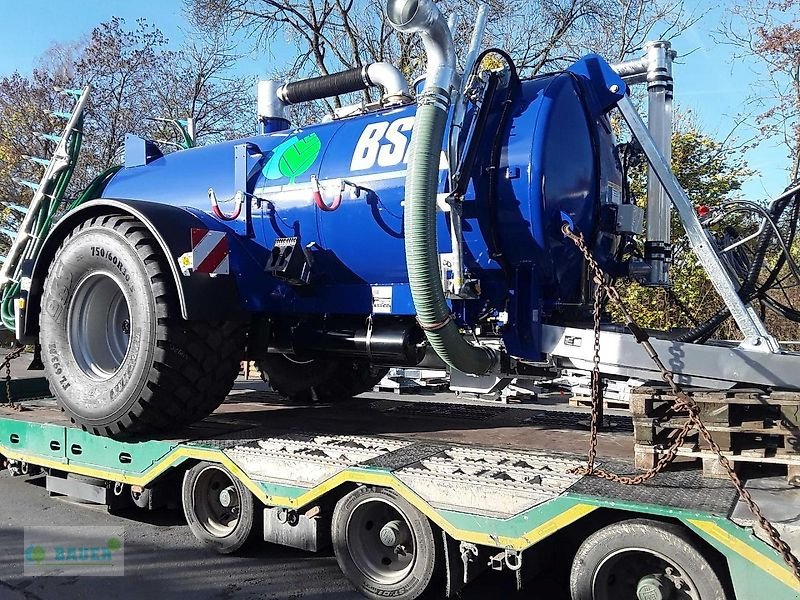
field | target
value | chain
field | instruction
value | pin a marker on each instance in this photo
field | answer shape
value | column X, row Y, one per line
column 683, row 404
column 7, row 364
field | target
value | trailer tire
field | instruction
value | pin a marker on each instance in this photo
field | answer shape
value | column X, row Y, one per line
column 365, row 558
column 141, row 499
column 318, row 379
column 634, row 554
column 119, row 358
column 206, row 515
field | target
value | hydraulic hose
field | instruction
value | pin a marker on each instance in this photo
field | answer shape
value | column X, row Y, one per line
column 422, row 255
column 749, row 288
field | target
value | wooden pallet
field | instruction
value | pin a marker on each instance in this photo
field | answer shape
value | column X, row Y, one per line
column 411, row 388
column 760, row 426
column 586, row 401
column 249, row 370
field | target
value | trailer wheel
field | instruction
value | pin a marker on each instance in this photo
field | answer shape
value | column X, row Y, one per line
column 220, row 510
column 118, row 355
column 318, row 379
column 384, row 546
column 644, row 560
column 141, row 498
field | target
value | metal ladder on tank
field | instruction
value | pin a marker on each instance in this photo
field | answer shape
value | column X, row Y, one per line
column 23, row 234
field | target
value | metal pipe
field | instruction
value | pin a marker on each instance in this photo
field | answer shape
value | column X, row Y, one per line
column 475, row 41
column 389, row 77
column 271, row 111
column 457, row 123
column 632, row 71
column 659, row 123
column 423, row 17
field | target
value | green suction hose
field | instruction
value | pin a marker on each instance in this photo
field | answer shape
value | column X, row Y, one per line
column 422, row 254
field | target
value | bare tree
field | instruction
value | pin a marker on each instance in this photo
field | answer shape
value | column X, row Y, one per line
column 766, row 36
column 26, row 105
column 136, row 79
column 196, row 82
column 332, row 35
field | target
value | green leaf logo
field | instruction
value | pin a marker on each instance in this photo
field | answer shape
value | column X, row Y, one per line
column 38, row 554
column 293, row 157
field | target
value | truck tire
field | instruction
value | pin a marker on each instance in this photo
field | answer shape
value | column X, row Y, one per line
column 220, row 510
column 119, row 358
column 385, row 546
column 642, row 559
column 318, row 379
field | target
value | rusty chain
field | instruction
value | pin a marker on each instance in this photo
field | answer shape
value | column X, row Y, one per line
column 15, row 353
column 683, row 404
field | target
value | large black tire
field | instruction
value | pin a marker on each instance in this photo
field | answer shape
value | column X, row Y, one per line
column 223, row 529
column 119, row 357
column 372, row 563
column 319, row 379
column 613, row 563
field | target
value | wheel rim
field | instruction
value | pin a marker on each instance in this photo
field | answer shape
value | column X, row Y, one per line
column 642, row 574
column 216, row 502
column 99, row 326
column 380, row 541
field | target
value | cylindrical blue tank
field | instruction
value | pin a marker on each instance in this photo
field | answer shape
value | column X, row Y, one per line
column 555, row 159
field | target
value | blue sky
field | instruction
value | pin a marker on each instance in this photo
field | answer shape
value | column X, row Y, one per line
column 707, row 82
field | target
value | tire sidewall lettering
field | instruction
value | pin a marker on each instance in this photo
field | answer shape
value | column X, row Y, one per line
column 95, row 250
column 115, row 261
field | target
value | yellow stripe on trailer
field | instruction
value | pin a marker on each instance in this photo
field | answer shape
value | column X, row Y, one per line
column 173, row 458
column 569, row 516
column 747, row 552
column 360, row 476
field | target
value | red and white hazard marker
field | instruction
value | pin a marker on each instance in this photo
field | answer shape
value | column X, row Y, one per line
column 210, row 252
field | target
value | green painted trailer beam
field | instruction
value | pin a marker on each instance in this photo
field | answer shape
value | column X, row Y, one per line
column 757, row 570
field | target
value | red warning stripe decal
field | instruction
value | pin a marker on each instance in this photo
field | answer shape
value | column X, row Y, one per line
column 210, row 252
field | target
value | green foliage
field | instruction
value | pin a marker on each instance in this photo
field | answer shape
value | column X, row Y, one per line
column 710, row 173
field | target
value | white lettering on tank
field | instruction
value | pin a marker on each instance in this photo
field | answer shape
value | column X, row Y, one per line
column 395, row 151
column 368, row 146
column 384, row 143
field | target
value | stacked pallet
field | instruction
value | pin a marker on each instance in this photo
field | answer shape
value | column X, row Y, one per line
column 249, row 370
column 749, row 425
column 616, row 394
column 413, row 381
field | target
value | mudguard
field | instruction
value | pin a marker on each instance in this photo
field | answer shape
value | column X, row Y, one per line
column 201, row 297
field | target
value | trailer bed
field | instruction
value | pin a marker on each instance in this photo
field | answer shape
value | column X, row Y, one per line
column 498, row 476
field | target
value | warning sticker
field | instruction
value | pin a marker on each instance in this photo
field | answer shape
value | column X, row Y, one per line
column 381, row 299
column 614, row 193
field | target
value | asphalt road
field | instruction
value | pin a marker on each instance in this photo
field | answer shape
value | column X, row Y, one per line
column 163, row 559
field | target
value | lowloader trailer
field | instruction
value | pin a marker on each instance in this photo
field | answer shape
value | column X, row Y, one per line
column 414, row 509
column 420, row 499
column 480, row 223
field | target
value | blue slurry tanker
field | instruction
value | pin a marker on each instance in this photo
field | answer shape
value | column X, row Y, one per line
column 409, row 230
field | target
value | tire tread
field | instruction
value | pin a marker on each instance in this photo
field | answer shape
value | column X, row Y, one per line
column 195, row 362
